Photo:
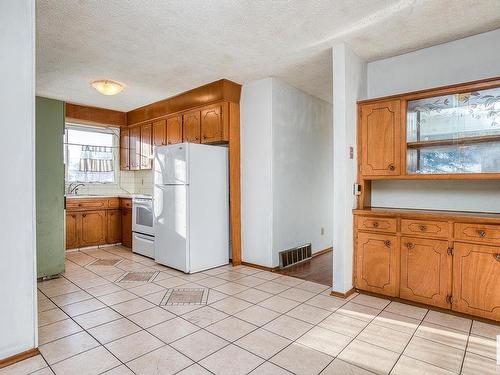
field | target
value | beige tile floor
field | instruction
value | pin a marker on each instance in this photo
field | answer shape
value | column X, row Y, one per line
column 256, row 322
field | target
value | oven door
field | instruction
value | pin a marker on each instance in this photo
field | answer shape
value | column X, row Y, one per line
column 142, row 216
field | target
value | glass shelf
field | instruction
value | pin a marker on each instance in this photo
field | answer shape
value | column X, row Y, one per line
column 457, row 133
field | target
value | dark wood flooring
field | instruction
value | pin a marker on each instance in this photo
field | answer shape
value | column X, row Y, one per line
column 318, row 269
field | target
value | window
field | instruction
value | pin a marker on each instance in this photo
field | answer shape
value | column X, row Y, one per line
column 91, row 154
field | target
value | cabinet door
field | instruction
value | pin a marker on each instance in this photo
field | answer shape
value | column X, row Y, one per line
column 72, row 226
column 476, row 280
column 146, row 146
column 212, row 125
column 127, row 227
column 159, row 133
column 191, row 127
column 425, row 271
column 380, row 138
column 114, row 226
column 174, row 130
column 124, row 149
column 377, row 263
column 135, row 147
column 93, row 228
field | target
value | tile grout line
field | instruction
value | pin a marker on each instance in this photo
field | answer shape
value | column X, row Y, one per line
column 466, row 346
column 408, row 343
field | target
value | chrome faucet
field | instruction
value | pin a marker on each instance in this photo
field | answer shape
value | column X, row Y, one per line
column 74, row 189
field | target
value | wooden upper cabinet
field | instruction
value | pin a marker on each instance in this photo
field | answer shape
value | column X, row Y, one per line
column 214, row 124
column 476, row 277
column 146, row 146
column 191, row 131
column 72, row 226
column 377, row 267
column 174, row 130
column 135, row 147
column 425, row 271
column 380, row 136
column 159, row 133
column 114, row 226
column 93, row 228
column 124, row 149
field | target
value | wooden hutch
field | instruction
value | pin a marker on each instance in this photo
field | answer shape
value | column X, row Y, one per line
column 446, row 259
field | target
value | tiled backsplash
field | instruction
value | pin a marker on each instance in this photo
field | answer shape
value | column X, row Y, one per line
column 129, row 182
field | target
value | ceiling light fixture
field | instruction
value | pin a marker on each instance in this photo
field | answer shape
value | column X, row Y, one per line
column 107, row 87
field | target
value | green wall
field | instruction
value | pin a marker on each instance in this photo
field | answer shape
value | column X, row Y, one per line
column 49, row 163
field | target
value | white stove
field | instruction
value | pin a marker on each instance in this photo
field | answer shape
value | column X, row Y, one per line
column 142, row 225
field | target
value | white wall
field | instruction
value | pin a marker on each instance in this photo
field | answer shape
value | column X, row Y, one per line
column 256, row 175
column 473, row 58
column 349, row 85
column 468, row 59
column 286, row 171
column 481, row 196
column 18, row 331
column 302, row 170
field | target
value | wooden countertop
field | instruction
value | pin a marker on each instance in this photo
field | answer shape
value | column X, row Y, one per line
column 428, row 214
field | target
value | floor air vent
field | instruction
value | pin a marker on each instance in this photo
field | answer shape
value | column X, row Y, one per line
column 295, row 255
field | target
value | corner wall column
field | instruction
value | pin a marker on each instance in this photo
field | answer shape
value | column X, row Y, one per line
column 349, row 85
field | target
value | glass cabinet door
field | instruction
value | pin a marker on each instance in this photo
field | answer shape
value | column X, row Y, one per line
column 456, row 133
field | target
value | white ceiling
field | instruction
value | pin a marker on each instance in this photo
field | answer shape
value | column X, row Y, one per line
column 161, row 48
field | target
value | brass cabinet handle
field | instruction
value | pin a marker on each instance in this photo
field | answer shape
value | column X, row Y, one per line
column 375, row 224
column 84, row 215
column 387, row 243
column 497, row 256
column 392, row 167
column 204, row 137
column 409, row 245
column 73, row 216
column 481, row 233
column 423, row 228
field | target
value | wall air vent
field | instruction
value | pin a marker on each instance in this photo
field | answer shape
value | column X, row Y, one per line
column 295, row 255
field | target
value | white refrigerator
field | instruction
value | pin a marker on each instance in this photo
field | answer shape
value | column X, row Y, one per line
column 191, row 206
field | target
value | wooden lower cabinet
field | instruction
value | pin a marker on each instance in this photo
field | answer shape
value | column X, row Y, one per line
column 377, row 263
column 114, row 226
column 86, row 227
column 72, row 228
column 476, row 280
column 424, row 258
column 426, row 270
column 93, row 228
column 126, row 227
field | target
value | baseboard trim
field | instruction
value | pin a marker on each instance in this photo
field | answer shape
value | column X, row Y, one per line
column 264, row 268
column 18, row 357
column 321, row 252
column 343, row 295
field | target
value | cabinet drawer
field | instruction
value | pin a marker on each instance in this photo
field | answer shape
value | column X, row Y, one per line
column 114, row 203
column 478, row 232
column 429, row 228
column 81, row 204
column 379, row 224
column 125, row 203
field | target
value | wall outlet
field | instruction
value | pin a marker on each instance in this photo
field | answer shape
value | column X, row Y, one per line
column 322, row 231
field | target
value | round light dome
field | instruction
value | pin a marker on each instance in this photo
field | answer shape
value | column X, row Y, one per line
column 107, row 87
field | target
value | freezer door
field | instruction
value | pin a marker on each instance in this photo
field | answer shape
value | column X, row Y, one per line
column 171, row 226
column 171, row 164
